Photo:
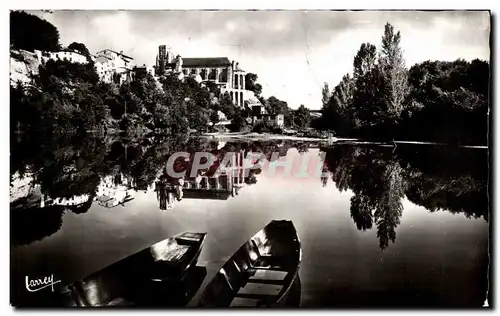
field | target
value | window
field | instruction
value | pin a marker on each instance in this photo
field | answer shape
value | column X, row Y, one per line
column 223, row 76
column 212, row 74
column 193, row 71
column 203, row 74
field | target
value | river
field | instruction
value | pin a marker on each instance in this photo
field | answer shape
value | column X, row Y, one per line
column 382, row 226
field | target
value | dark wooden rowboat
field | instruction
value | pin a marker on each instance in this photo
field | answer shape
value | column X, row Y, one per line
column 260, row 273
column 160, row 275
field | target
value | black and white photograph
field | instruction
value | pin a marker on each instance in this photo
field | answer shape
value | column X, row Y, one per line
column 216, row 159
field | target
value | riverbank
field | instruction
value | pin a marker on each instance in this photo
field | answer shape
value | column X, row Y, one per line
column 268, row 136
column 330, row 140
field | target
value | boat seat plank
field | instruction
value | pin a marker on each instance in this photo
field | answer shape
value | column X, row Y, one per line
column 190, row 238
column 255, row 296
column 269, row 275
column 244, row 302
column 266, row 281
column 259, row 288
column 257, row 268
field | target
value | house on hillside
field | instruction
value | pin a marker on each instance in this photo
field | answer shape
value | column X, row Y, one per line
column 70, row 55
column 140, row 72
column 113, row 66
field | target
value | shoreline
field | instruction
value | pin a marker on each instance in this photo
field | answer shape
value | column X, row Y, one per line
column 353, row 141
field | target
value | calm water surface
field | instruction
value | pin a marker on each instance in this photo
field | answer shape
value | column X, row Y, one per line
column 384, row 227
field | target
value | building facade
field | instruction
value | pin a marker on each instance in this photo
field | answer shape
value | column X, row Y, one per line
column 113, row 66
column 227, row 75
column 72, row 56
column 140, row 72
column 165, row 56
column 259, row 114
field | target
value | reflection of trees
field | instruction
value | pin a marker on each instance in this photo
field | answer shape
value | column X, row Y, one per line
column 377, row 184
column 361, row 212
column 381, row 178
column 29, row 225
column 389, row 210
column 64, row 167
column 302, row 147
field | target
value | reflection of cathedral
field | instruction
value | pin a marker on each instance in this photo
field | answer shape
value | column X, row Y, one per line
column 206, row 185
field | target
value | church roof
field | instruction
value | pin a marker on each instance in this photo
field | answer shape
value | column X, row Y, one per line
column 205, row 62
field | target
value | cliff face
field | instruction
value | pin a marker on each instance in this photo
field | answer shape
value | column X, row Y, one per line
column 23, row 65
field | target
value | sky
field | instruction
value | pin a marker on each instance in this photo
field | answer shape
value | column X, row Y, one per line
column 293, row 52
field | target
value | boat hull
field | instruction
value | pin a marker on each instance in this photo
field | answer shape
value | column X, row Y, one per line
column 260, row 273
column 157, row 276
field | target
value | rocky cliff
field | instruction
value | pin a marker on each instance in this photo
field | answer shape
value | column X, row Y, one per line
column 23, row 65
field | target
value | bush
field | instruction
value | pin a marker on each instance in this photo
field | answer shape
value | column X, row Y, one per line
column 266, row 127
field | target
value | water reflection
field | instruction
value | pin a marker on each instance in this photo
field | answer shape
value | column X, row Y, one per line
column 70, row 174
column 32, row 224
column 448, row 179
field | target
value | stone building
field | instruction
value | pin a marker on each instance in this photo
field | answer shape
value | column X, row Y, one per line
column 140, row 72
column 72, row 56
column 227, row 75
column 259, row 113
column 165, row 56
column 114, row 67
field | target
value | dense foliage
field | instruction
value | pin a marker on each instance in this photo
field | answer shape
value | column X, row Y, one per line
column 252, row 85
column 29, row 32
column 432, row 101
column 69, row 97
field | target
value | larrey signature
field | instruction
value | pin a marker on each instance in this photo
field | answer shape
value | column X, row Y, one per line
column 38, row 284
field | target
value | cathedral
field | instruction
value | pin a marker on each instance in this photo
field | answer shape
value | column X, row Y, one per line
column 226, row 74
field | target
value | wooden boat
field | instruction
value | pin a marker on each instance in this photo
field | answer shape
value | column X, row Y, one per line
column 260, row 273
column 160, row 275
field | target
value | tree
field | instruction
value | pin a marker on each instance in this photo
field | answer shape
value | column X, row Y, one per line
column 365, row 60
column 366, row 98
column 393, row 71
column 450, row 99
column 302, row 117
column 337, row 113
column 196, row 116
column 226, row 106
column 276, row 106
column 212, row 87
column 325, row 94
column 252, row 85
column 238, row 121
column 130, row 102
column 81, row 48
column 30, row 32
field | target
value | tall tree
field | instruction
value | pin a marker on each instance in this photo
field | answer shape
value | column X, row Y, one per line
column 365, row 60
column 29, row 32
column 252, row 85
column 366, row 98
column 325, row 94
column 393, row 71
column 337, row 113
column 302, row 117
